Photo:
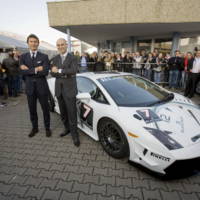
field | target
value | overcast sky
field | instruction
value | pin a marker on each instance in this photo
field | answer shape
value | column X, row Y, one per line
column 28, row 16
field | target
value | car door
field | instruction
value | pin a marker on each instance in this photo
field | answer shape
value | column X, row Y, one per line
column 87, row 110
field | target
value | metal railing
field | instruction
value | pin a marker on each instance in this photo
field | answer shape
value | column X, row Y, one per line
column 158, row 73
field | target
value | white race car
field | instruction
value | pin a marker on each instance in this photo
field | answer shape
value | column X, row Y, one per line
column 135, row 118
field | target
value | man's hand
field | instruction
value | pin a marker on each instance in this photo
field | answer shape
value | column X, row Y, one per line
column 54, row 69
column 2, row 69
column 39, row 68
column 23, row 67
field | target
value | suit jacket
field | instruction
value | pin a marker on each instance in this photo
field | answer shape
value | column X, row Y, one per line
column 11, row 65
column 190, row 64
column 31, row 78
column 66, row 80
column 176, row 63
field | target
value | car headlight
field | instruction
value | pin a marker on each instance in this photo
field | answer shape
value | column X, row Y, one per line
column 164, row 138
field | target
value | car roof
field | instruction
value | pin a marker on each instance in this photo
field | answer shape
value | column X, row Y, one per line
column 103, row 74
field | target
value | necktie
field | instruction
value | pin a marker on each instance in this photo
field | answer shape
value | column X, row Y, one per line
column 33, row 55
column 63, row 58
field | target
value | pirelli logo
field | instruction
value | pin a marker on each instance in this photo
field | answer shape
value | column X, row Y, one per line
column 160, row 157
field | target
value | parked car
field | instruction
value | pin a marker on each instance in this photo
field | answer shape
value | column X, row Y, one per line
column 135, row 118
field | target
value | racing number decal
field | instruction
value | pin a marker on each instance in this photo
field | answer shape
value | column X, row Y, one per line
column 148, row 115
column 87, row 111
column 86, row 115
column 146, row 112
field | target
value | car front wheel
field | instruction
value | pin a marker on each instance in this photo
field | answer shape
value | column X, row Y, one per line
column 113, row 139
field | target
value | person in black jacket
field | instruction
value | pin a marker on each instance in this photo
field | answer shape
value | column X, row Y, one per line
column 175, row 67
column 12, row 69
column 128, row 60
column 34, row 67
column 3, row 85
column 99, row 66
column 64, row 68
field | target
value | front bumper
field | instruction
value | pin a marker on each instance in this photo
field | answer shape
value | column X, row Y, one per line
column 183, row 166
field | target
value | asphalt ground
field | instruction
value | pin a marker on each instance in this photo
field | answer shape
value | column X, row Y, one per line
column 53, row 168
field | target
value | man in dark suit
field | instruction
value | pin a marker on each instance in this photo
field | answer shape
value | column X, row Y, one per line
column 35, row 67
column 64, row 68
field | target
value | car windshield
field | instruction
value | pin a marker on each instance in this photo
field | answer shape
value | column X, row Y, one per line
column 132, row 91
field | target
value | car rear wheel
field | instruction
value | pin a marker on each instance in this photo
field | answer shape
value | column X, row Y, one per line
column 113, row 139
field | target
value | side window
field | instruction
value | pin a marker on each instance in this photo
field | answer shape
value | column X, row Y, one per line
column 86, row 85
column 100, row 97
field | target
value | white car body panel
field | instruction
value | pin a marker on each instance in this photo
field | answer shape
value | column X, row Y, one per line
column 179, row 117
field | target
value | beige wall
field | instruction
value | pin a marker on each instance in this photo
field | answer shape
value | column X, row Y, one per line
column 85, row 12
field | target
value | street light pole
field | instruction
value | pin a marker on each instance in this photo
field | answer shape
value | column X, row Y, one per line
column 69, row 40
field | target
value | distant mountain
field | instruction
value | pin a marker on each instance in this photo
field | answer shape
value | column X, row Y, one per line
column 47, row 45
column 17, row 40
column 13, row 35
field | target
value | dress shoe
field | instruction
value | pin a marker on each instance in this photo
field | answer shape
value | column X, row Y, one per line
column 48, row 133
column 64, row 133
column 77, row 142
column 33, row 132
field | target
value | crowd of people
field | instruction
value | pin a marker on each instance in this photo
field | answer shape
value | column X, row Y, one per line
column 156, row 66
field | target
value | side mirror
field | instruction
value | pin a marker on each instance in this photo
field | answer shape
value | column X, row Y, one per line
column 83, row 96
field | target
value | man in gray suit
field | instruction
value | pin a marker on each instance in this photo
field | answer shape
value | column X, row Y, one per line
column 64, row 67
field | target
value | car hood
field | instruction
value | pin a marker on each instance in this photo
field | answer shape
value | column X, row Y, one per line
column 179, row 118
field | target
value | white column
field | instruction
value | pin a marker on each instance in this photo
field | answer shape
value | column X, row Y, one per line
column 69, row 40
column 175, row 42
column 98, row 47
column 152, row 45
column 108, row 43
column 112, row 46
column 133, row 44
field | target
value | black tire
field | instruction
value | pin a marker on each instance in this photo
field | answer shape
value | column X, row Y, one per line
column 112, row 139
column 51, row 102
column 198, row 88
